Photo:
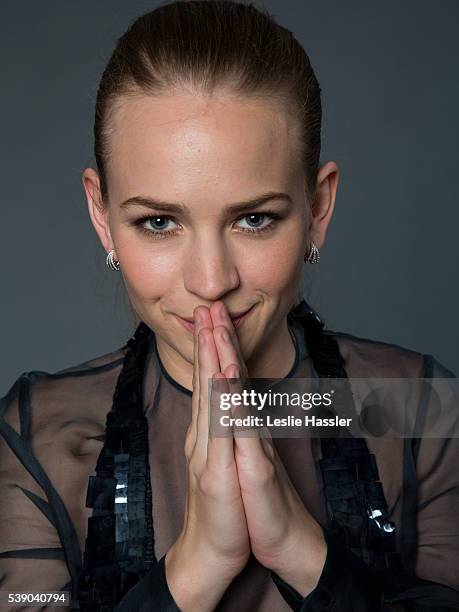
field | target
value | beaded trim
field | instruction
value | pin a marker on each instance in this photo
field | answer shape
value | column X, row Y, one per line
column 356, row 505
column 120, row 542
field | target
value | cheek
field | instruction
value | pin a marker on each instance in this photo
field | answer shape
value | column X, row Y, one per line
column 153, row 271
column 148, row 274
column 277, row 266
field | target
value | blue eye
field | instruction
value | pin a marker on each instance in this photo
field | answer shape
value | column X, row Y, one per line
column 159, row 224
column 255, row 218
column 158, row 227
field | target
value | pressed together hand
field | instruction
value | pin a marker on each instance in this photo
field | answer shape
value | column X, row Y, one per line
column 239, row 496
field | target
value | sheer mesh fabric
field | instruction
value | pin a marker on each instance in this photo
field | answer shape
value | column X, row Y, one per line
column 52, row 430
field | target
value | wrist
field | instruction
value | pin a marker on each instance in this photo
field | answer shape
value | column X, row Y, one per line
column 196, row 579
column 302, row 563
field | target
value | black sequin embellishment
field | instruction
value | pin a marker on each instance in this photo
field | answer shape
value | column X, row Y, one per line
column 120, row 545
column 356, row 506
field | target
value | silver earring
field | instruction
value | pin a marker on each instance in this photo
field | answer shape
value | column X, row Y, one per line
column 314, row 255
column 111, row 262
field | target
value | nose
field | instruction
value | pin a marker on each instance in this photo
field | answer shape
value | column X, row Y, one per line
column 210, row 271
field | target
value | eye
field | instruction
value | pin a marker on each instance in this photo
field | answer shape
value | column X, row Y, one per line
column 160, row 223
column 257, row 222
column 156, row 227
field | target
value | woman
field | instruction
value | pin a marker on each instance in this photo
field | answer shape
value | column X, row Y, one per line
column 208, row 197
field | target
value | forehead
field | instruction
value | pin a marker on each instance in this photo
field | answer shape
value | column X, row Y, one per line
column 177, row 145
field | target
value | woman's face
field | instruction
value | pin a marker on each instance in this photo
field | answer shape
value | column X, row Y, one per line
column 179, row 166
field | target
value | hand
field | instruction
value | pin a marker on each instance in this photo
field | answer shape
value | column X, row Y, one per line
column 284, row 537
column 213, row 546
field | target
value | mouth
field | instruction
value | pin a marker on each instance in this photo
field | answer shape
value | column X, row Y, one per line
column 236, row 319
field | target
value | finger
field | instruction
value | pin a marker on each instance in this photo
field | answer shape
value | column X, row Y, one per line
column 220, row 316
column 202, row 319
column 227, row 352
column 248, row 440
column 208, row 366
column 220, row 448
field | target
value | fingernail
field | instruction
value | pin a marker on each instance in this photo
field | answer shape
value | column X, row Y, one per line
column 202, row 340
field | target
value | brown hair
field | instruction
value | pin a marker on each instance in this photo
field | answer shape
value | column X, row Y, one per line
column 205, row 44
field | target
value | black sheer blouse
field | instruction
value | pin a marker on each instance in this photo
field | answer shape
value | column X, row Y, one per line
column 93, row 481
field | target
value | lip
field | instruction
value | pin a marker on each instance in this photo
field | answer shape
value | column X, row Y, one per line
column 237, row 321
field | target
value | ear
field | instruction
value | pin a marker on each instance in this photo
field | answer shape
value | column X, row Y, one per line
column 324, row 202
column 98, row 211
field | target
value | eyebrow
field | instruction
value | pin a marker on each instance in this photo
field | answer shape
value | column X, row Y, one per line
column 178, row 208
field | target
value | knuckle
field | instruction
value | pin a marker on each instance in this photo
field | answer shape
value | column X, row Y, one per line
column 188, row 452
column 267, row 472
column 189, row 446
column 202, row 398
column 220, row 329
column 194, row 466
column 207, row 482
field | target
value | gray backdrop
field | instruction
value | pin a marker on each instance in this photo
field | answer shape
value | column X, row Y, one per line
column 388, row 71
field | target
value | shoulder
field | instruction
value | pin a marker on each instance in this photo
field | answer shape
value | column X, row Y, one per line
column 368, row 357
column 77, row 392
column 52, row 423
